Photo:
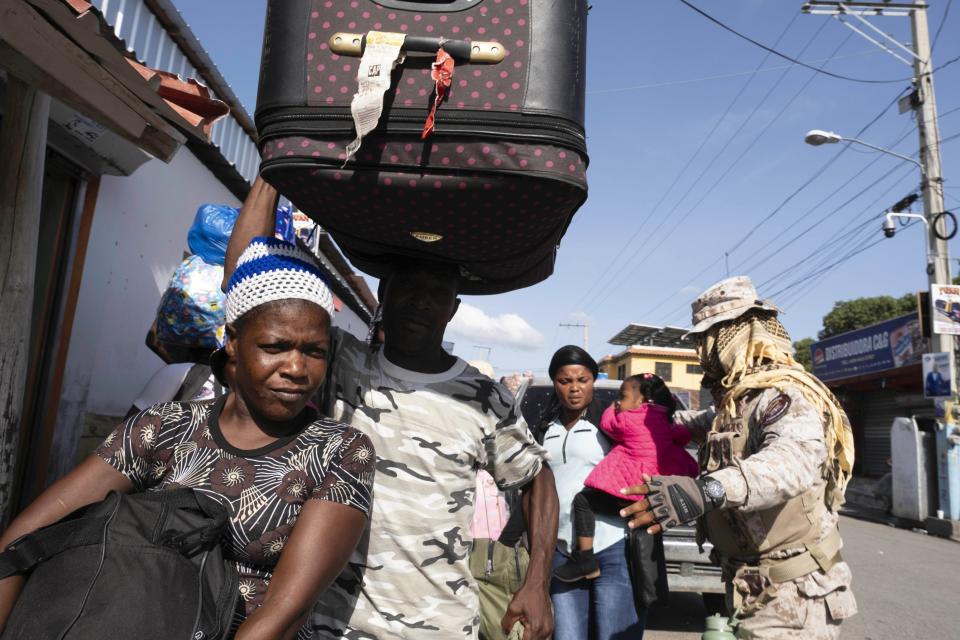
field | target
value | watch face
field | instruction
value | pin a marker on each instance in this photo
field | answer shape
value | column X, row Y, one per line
column 714, row 489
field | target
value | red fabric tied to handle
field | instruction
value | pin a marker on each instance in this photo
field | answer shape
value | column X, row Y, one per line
column 442, row 74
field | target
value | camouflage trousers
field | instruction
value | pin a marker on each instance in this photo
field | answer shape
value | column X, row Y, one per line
column 809, row 608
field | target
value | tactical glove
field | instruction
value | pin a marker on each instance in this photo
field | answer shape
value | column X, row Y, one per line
column 678, row 499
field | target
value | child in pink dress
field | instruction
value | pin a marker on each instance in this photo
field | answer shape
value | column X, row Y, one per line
column 645, row 441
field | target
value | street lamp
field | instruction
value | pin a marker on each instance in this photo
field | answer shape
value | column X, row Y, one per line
column 817, row 137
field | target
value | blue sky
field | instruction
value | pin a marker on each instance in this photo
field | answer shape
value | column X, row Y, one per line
column 690, row 150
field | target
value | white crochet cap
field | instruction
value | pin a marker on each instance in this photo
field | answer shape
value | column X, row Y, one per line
column 271, row 269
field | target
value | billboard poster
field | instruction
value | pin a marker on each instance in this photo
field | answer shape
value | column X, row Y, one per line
column 937, row 375
column 945, row 308
column 880, row 347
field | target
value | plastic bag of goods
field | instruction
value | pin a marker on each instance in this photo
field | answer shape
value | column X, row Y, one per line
column 284, row 228
column 191, row 310
column 210, row 232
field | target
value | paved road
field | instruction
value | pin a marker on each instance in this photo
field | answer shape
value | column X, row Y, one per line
column 906, row 585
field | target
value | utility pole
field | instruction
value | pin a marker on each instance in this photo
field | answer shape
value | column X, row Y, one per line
column 923, row 101
column 932, row 185
column 924, row 105
column 586, row 332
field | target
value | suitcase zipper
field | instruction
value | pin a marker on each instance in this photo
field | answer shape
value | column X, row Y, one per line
column 354, row 166
column 279, row 123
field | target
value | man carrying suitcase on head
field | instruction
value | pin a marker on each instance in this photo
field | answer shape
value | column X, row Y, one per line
column 434, row 421
column 774, row 467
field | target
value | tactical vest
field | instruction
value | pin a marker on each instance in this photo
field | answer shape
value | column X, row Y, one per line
column 740, row 536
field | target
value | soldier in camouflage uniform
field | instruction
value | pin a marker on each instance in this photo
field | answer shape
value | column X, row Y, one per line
column 774, row 464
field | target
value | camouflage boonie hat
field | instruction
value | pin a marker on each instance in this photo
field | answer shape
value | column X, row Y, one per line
column 726, row 300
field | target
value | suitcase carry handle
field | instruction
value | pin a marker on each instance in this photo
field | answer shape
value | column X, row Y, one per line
column 352, row 44
column 428, row 6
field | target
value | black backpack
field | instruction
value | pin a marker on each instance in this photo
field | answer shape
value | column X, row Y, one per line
column 144, row 566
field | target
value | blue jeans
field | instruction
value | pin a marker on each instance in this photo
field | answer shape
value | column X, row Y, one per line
column 600, row 609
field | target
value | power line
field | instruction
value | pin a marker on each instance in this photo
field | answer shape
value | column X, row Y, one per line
column 680, row 308
column 853, row 253
column 842, row 235
column 790, row 197
column 812, row 178
column 820, row 171
column 845, row 234
column 604, row 292
column 593, row 291
column 757, row 263
column 946, row 64
column 684, row 285
column 856, row 237
column 783, row 55
column 822, row 272
column 721, row 76
column 943, row 21
column 837, row 240
column 815, row 278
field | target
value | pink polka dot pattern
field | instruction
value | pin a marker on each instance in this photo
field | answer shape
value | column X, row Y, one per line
column 486, row 87
column 505, row 198
column 546, row 160
column 498, row 207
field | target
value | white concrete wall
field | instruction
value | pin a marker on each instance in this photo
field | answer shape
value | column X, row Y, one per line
column 350, row 322
column 138, row 238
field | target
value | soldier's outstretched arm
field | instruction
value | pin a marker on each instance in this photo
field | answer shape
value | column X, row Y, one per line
column 697, row 422
column 791, row 451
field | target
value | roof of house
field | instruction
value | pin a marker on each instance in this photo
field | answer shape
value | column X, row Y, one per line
column 66, row 49
column 158, row 36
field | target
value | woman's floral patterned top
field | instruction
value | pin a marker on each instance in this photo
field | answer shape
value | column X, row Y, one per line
column 179, row 444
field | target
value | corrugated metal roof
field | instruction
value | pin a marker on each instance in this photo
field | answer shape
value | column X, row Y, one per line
column 157, row 35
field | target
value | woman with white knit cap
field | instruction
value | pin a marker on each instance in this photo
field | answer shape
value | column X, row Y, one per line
column 298, row 485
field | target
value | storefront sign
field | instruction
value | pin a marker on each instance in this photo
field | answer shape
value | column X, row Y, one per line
column 937, row 378
column 945, row 308
column 887, row 345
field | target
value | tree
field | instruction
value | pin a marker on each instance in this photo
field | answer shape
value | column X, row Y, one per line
column 848, row 315
column 802, row 355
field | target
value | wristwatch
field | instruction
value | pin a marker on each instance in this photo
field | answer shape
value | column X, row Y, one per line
column 713, row 491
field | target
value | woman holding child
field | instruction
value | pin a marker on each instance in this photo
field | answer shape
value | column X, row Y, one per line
column 596, row 451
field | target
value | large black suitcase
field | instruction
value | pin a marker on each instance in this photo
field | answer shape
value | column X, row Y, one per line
column 495, row 185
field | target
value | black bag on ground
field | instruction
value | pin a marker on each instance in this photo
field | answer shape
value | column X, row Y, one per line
column 495, row 185
column 145, row 566
column 648, row 569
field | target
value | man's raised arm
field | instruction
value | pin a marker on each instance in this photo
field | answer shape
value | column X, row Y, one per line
column 258, row 217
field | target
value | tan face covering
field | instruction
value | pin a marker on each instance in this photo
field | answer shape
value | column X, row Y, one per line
column 753, row 352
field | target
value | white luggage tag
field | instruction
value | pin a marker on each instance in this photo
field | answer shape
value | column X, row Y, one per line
column 382, row 53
